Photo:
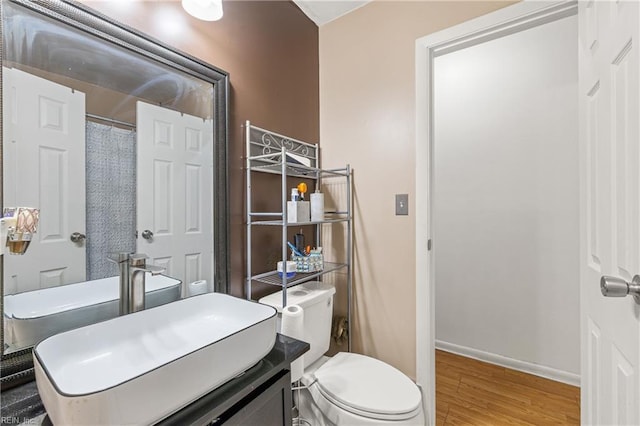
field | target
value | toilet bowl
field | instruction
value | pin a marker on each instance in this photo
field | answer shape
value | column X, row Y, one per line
column 346, row 389
column 351, row 389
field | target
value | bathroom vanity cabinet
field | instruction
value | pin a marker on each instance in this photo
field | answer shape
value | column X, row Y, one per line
column 260, row 395
column 294, row 160
column 263, row 392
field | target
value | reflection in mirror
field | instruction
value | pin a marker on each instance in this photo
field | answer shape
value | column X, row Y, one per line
column 117, row 150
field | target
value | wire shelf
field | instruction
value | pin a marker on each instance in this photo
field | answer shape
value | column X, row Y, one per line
column 273, row 153
column 273, row 164
column 281, row 223
column 272, row 277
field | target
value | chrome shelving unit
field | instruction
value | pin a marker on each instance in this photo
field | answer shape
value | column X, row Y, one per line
column 269, row 152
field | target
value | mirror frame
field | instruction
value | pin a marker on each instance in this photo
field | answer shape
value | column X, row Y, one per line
column 17, row 367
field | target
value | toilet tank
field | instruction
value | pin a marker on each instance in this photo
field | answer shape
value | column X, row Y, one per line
column 316, row 300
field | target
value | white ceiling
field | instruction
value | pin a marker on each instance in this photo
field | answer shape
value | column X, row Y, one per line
column 323, row 11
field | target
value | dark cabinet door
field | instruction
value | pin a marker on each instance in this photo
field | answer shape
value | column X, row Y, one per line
column 270, row 406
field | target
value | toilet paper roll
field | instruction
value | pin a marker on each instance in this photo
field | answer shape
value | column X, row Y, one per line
column 293, row 326
column 197, row 287
column 317, row 207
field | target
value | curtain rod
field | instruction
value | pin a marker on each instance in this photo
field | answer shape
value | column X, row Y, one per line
column 111, row 120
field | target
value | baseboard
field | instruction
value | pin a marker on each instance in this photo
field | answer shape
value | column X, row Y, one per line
column 514, row 364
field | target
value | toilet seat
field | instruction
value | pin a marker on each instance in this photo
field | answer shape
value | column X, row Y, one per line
column 367, row 387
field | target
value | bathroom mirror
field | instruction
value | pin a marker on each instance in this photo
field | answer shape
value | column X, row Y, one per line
column 120, row 141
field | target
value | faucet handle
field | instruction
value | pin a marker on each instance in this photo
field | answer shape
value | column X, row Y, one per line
column 138, row 260
column 118, row 257
column 154, row 270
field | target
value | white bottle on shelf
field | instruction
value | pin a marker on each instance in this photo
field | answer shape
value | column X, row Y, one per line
column 317, row 206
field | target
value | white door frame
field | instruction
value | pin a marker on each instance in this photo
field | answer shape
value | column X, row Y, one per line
column 509, row 20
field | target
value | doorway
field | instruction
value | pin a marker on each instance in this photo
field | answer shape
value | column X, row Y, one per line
column 505, row 200
column 505, row 217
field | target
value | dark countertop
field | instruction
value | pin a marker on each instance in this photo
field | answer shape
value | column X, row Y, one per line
column 22, row 404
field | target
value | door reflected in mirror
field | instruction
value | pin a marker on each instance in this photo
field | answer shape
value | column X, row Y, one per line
column 117, row 150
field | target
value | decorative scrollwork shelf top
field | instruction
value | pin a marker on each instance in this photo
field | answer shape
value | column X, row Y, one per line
column 266, row 148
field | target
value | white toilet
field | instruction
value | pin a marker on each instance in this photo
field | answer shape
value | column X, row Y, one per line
column 346, row 389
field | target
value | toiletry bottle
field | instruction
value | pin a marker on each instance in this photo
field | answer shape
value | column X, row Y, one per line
column 294, row 194
column 298, row 241
column 317, row 206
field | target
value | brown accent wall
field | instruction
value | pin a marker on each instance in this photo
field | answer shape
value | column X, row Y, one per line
column 270, row 50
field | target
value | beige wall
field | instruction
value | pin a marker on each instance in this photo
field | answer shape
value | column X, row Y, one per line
column 367, row 119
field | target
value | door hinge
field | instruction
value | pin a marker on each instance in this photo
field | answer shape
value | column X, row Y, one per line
column 429, row 244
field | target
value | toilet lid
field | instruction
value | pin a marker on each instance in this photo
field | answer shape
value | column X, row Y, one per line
column 367, row 386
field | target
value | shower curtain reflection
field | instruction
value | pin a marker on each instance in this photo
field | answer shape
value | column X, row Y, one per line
column 111, row 196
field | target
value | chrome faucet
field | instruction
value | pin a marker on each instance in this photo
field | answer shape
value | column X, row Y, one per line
column 133, row 268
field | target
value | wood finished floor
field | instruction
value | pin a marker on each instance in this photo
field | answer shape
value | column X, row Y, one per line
column 470, row 392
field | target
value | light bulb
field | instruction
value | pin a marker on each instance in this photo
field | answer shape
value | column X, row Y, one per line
column 207, row 10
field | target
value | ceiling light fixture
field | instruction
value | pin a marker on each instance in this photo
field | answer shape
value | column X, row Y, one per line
column 207, row 10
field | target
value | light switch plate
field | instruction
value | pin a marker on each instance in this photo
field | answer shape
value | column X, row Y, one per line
column 402, row 204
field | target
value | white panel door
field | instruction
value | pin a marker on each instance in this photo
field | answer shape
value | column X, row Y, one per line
column 44, row 167
column 610, row 222
column 175, row 159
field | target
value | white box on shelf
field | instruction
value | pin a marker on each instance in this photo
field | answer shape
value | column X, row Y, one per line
column 298, row 211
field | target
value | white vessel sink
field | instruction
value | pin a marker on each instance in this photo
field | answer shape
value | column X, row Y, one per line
column 142, row 367
column 32, row 316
